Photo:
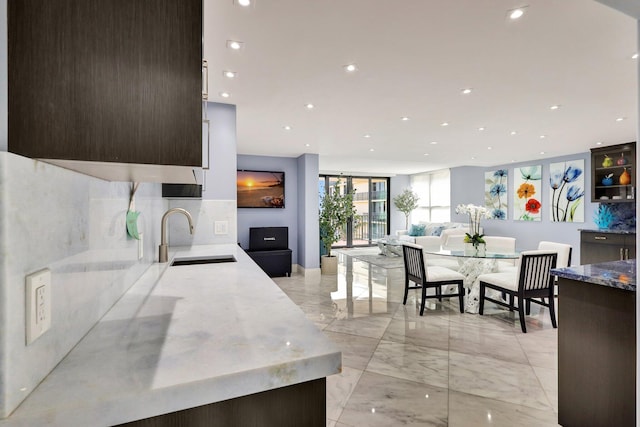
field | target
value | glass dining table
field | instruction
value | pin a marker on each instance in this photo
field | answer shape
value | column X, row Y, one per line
column 471, row 264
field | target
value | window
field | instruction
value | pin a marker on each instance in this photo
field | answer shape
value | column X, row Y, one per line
column 434, row 191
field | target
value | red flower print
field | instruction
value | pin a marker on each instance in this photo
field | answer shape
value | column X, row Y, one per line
column 533, row 206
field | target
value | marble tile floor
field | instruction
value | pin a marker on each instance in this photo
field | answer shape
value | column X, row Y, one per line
column 442, row 369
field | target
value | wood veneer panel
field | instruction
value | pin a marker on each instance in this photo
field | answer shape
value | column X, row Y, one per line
column 596, row 355
column 293, row 406
column 106, row 80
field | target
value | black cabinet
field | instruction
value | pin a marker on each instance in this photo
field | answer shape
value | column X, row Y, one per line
column 275, row 263
column 596, row 247
column 268, row 247
column 613, row 173
column 106, row 81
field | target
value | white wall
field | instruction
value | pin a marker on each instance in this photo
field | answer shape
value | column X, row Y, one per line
column 397, row 219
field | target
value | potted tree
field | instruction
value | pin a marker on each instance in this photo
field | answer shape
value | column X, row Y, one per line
column 335, row 211
column 406, row 202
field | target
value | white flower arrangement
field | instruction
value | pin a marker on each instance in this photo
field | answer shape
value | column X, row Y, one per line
column 476, row 213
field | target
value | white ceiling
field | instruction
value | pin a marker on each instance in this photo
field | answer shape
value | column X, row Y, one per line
column 414, row 57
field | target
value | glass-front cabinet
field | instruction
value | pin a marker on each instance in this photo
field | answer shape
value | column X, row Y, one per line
column 613, row 173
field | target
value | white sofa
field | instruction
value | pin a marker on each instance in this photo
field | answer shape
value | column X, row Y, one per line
column 435, row 242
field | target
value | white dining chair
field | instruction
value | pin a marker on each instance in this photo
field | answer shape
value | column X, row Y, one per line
column 564, row 252
column 532, row 280
column 424, row 277
column 501, row 245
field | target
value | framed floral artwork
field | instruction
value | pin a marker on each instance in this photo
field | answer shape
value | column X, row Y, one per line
column 526, row 198
column 566, row 180
column 496, row 194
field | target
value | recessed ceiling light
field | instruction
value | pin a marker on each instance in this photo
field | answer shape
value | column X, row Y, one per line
column 599, row 143
column 229, row 74
column 516, row 13
column 309, row 106
column 404, row 119
column 543, row 136
column 287, row 127
column 433, row 142
column 542, row 152
column 513, row 161
column 307, row 145
column 473, row 158
column 513, row 132
column 371, row 149
column 225, row 94
column 350, row 68
column 554, row 107
column 444, row 124
column 634, row 56
column 619, row 119
column 425, row 154
column 366, row 135
column 489, row 148
column 244, row 3
column 466, row 91
column 481, row 128
column 235, row 45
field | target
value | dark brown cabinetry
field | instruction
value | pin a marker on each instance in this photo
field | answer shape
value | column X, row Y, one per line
column 596, row 247
column 613, row 173
column 596, row 355
column 106, row 81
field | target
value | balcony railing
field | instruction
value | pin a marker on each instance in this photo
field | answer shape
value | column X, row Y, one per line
column 361, row 226
column 375, row 195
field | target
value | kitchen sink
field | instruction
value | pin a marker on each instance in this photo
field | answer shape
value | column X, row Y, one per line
column 212, row 259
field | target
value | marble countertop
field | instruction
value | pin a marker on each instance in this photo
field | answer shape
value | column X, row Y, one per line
column 182, row 337
column 607, row 230
column 614, row 274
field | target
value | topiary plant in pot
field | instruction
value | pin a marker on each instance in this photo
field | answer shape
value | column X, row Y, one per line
column 406, row 202
column 335, row 210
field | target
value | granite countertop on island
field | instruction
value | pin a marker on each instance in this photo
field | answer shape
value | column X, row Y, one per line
column 614, row 274
column 608, row 230
column 182, row 337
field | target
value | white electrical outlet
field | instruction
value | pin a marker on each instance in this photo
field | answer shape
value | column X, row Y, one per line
column 221, row 227
column 38, row 310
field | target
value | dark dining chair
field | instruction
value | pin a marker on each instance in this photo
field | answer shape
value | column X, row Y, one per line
column 532, row 280
column 424, row 277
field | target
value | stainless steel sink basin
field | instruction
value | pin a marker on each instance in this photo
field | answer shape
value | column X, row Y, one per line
column 212, row 259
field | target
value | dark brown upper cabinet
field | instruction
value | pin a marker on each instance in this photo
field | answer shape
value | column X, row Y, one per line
column 613, row 173
column 112, row 88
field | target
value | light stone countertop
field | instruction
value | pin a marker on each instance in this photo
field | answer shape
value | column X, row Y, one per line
column 182, row 337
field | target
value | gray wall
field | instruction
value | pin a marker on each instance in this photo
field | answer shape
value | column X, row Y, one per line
column 270, row 217
column 467, row 186
column 308, row 202
column 221, row 177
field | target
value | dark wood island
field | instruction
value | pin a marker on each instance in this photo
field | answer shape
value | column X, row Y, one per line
column 597, row 344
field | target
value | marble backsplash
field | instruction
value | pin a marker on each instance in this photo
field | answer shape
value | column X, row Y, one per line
column 75, row 225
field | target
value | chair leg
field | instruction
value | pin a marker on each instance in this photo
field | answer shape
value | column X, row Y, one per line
column 424, row 299
column 511, row 306
column 406, row 291
column 461, row 297
column 528, row 307
column 481, row 308
column 552, row 312
column 521, row 312
column 439, row 293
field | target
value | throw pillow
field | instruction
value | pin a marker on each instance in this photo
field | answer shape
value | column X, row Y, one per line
column 435, row 231
column 417, row 230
